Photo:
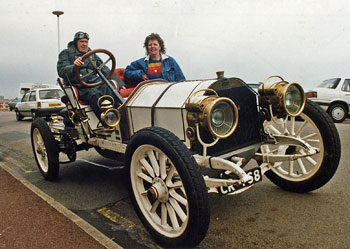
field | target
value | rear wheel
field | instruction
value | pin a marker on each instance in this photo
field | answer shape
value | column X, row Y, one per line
column 167, row 188
column 45, row 149
column 310, row 172
column 337, row 112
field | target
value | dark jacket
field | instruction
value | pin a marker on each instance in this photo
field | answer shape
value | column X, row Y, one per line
column 171, row 71
column 65, row 66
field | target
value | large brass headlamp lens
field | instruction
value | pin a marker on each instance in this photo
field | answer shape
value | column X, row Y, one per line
column 293, row 99
column 284, row 97
column 218, row 114
column 221, row 117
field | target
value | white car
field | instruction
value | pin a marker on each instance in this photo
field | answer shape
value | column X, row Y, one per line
column 333, row 95
column 40, row 102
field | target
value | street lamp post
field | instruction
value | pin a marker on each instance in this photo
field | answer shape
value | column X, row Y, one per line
column 58, row 13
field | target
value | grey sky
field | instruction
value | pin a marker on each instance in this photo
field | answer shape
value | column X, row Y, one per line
column 304, row 41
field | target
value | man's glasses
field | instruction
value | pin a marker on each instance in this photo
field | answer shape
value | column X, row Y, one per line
column 81, row 35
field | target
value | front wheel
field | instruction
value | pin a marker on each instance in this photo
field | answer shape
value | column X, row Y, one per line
column 19, row 117
column 167, row 188
column 45, row 149
column 337, row 112
column 310, row 172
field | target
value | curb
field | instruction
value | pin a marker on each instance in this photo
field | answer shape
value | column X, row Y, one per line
column 89, row 229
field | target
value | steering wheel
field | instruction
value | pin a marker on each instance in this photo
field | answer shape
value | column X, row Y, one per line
column 80, row 79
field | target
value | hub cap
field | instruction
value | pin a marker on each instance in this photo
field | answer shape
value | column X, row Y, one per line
column 338, row 113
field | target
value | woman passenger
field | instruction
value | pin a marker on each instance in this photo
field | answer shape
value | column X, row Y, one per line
column 156, row 65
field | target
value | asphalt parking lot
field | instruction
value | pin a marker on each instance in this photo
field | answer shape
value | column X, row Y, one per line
column 263, row 217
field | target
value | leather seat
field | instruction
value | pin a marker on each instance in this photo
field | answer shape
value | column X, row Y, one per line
column 119, row 73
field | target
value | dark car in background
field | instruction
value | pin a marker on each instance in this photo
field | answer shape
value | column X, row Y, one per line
column 13, row 102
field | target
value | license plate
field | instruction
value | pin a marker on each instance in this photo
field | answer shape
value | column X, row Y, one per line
column 257, row 177
column 56, row 104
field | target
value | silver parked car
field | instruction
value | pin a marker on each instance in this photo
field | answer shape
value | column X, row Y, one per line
column 40, row 102
column 333, row 95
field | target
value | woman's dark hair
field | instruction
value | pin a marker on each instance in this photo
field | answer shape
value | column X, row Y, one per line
column 154, row 36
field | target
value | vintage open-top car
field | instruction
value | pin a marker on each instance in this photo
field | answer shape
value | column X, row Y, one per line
column 183, row 140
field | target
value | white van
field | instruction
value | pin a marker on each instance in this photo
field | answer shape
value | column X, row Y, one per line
column 40, row 102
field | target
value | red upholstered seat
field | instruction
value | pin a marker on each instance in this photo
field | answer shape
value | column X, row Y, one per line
column 126, row 92
column 77, row 95
column 119, row 72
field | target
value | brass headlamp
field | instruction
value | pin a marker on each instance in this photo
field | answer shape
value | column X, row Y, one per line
column 218, row 114
column 284, row 97
column 110, row 117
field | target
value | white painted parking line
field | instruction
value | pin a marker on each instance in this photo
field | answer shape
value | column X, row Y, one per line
column 101, row 165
